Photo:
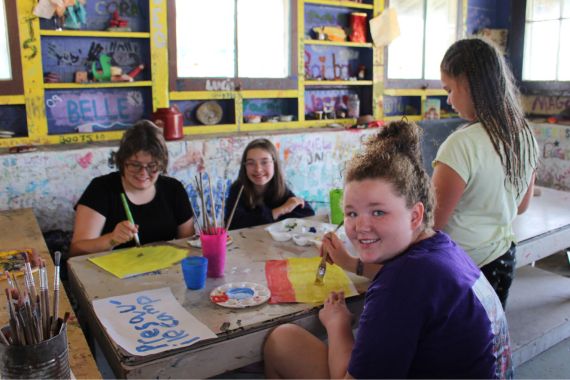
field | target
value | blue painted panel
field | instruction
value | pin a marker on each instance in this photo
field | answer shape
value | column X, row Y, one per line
column 13, row 118
column 330, row 62
column 402, row 105
column 316, row 99
column 66, row 55
column 317, row 15
column 95, row 110
column 189, row 107
column 99, row 12
column 270, row 107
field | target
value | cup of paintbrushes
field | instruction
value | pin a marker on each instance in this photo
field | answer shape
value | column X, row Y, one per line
column 48, row 359
column 214, row 249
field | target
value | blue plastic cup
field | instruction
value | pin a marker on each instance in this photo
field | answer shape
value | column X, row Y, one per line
column 194, row 269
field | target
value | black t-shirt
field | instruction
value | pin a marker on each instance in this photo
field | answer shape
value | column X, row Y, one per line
column 158, row 220
column 260, row 214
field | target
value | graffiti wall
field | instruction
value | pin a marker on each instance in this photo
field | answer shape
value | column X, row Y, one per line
column 51, row 182
column 554, row 168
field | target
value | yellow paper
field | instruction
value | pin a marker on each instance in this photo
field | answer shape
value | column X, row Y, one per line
column 132, row 261
column 302, row 273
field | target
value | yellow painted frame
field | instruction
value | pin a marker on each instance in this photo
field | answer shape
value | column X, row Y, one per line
column 34, row 93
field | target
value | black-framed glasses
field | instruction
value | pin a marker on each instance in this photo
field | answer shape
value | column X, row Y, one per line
column 136, row 167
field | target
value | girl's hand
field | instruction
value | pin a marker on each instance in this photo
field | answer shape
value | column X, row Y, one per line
column 288, row 206
column 334, row 312
column 124, row 231
column 336, row 252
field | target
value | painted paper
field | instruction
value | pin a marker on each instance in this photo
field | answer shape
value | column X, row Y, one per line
column 293, row 280
column 149, row 322
column 133, row 261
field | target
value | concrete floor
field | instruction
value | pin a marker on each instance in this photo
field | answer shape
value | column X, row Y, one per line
column 554, row 363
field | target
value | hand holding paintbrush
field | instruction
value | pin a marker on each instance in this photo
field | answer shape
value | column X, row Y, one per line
column 322, row 269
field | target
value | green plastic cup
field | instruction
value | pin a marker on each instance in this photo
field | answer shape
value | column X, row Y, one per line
column 335, row 198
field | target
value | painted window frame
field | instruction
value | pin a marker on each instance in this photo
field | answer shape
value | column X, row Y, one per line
column 233, row 83
column 516, row 52
column 15, row 85
column 418, row 82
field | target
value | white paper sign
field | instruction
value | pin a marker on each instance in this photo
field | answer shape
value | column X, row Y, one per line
column 385, row 27
column 149, row 322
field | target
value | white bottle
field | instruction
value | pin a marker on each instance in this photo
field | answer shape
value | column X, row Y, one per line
column 353, row 106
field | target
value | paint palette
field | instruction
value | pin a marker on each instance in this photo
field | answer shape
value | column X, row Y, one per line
column 239, row 295
column 195, row 241
column 302, row 231
column 14, row 262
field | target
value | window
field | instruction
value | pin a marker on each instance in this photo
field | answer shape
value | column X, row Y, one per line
column 546, row 53
column 427, row 28
column 248, row 42
column 10, row 64
column 5, row 67
column 539, row 48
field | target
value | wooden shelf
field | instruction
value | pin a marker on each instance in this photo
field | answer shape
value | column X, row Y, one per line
column 367, row 45
column 330, row 83
column 65, row 86
column 93, row 33
column 10, row 100
column 399, row 117
column 339, row 3
column 414, row 92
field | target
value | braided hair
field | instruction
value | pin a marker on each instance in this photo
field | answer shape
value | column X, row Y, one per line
column 496, row 102
column 394, row 155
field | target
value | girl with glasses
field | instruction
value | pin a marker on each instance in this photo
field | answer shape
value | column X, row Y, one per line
column 159, row 204
column 265, row 198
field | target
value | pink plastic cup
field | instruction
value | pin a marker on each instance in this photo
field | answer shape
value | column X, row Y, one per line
column 214, row 249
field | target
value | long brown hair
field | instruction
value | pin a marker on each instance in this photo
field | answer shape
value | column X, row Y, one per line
column 394, row 155
column 276, row 187
column 496, row 101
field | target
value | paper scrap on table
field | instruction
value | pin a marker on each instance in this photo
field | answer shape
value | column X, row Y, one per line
column 44, row 9
column 385, row 27
column 149, row 322
column 137, row 260
column 293, row 280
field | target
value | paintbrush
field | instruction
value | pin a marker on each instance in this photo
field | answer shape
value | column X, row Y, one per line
column 57, row 258
column 234, row 209
column 322, row 269
column 213, row 206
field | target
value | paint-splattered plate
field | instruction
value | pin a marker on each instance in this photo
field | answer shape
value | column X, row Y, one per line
column 195, row 242
column 238, row 295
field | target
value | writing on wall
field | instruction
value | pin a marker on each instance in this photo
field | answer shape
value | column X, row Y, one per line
column 94, row 110
column 52, row 182
column 545, row 105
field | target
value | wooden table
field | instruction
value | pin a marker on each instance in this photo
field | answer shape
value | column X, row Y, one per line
column 19, row 229
column 541, row 230
column 240, row 331
column 544, row 228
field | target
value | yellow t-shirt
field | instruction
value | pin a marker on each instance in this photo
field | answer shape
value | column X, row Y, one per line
column 482, row 220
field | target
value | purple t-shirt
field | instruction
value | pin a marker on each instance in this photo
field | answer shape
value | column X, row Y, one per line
column 430, row 313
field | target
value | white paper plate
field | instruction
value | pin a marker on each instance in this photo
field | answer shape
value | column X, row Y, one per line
column 238, row 295
column 196, row 243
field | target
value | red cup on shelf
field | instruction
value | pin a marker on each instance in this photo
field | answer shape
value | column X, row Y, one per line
column 214, row 249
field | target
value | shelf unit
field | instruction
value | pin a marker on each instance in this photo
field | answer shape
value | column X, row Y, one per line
column 38, row 45
column 238, row 103
column 330, row 87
